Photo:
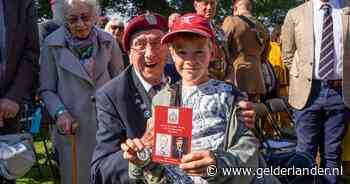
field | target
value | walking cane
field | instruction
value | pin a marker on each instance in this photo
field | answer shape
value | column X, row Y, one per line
column 75, row 126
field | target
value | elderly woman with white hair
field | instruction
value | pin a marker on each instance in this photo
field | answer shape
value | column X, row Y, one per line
column 76, row 60
column 115, row 26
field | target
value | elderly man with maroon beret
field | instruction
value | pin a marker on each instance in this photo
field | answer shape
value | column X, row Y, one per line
column 124, row 103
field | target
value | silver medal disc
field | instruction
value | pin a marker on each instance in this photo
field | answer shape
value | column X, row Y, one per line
column 144, row 154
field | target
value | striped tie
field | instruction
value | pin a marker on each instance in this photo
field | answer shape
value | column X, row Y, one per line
column 326, row 67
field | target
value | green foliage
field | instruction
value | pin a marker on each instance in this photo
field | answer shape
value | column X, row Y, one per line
column 274, row 10
column 44, row 9
column 269, row 11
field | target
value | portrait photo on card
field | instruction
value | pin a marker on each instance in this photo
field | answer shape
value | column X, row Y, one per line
column 173, row 116
column 163, row 145
column 179, row 147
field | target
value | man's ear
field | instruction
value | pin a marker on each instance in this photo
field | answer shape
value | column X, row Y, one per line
column 128, row 52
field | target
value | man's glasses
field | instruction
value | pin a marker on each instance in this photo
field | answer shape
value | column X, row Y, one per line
column 140, row 46
column 76, row 19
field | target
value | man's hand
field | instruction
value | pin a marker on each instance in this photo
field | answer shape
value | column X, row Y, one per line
column 247, row 113
column 8, row 108
column 65, row 122
column 130, row 148
column 196, row 163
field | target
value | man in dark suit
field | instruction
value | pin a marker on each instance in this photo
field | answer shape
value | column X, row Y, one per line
column 19, row 58
column 124, row 103
column 179, row 149
column 19, row 52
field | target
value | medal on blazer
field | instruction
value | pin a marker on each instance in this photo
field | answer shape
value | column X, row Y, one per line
column 143, row 107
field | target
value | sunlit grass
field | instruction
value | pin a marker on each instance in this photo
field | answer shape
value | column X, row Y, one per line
column 38, row 174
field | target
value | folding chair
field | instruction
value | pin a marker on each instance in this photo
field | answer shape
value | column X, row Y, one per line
column 277, row 106
column 280, row 150
column 282, row 141
column 27, row 114
column 262, row 112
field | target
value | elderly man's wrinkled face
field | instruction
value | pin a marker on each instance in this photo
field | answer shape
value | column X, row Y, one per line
column 80, row 20
column 206, row 8
column 148, row 55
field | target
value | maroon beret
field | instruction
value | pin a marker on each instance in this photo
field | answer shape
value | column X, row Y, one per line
column 143, row 22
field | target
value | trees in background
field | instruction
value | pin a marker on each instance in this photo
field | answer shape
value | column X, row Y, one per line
column 268, row 11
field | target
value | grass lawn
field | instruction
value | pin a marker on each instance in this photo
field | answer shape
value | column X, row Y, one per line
column 44, row 176
column 34, row 176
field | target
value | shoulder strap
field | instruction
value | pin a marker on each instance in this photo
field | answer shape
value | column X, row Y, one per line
column 176, row 94
column 252, row 25
column 237, row 96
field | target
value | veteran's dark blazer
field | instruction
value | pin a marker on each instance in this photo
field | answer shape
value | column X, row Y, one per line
column 123, row 108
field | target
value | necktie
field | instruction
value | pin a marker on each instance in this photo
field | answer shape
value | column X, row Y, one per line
column 154, row 90
column 326, row 65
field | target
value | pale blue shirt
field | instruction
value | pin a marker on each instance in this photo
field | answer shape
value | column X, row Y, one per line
column 337, row 34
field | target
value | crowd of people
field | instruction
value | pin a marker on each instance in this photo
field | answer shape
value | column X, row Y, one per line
column 100, row 78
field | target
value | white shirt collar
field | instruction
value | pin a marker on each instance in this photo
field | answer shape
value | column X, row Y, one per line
column 144, row 83
column 318, row 4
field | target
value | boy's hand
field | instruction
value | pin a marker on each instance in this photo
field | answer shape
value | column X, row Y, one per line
column 196, row 163
column 247, row 113
column 130, row 148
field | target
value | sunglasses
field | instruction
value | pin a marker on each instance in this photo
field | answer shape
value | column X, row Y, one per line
column 114, row 27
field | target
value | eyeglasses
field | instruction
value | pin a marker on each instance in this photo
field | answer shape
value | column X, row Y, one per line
column 140, row 46
column 76, row 19
column 115, row 27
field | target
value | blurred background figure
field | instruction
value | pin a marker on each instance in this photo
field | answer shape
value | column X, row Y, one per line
column 49, row 26
column 116, row 27
column 171, row 19
column 102, row 21
column 218, row 63
column 76, row 60
column 248, row 46
column 275, row 58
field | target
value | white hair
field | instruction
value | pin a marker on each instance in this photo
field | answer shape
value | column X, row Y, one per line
column 94, row 7
column 116, row 20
